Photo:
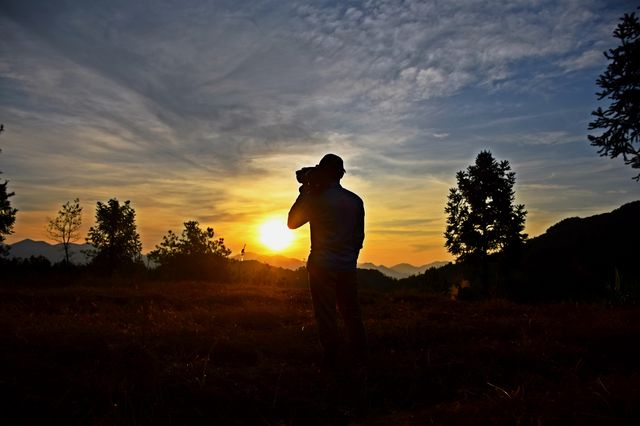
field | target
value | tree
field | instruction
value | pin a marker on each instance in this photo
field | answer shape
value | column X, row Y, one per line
column 481, row 216
column 114, row 236
column 620, row 83
column 192, row 241
column 65, row 227
column 7, row 213
column 194, row 254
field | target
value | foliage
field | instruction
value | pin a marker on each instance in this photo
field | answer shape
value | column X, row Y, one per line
column 375, row 280
column 437, row 280
column 620, row 84
column 193, row 254
column 192, row 241
column 33, row 267
column 65, row 227
column 481, row 216
column 114, row 236
column 7, row 213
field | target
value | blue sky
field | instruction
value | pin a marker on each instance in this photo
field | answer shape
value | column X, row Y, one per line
column 203, row 110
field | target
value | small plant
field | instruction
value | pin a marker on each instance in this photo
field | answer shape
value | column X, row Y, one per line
column 624, row 291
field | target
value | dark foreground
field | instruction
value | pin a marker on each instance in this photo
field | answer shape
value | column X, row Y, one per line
column 194, row 353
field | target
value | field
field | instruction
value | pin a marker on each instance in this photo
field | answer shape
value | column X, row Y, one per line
column 199, row 353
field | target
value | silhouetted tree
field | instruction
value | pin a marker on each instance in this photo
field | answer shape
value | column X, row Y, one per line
column 195, row 253
column 114, row 236
column 65, row 226
column 620, row 83
column 7, row 213
column 481, row 216
column 192, row 241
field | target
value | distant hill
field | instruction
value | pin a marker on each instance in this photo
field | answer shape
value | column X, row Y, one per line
column 54, row 252
column 584, row 257
column 381, row 268
column 408, row 270
column 274, row 260
column 401, row 270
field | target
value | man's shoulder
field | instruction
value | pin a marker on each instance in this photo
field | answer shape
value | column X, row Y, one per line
column 351, row 195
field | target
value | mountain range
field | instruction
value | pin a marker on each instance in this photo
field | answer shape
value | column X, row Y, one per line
column 55, row 253
column 401, row 270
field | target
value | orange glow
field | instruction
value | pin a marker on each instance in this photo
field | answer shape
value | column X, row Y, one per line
column 397, row 229
column 275, row 235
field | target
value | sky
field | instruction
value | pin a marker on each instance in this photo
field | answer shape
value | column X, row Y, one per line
column 203, row 110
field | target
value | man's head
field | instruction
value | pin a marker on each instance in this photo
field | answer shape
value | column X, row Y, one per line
column 332, row 167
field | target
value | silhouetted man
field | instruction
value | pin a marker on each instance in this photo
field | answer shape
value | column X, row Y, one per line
column 336, row 219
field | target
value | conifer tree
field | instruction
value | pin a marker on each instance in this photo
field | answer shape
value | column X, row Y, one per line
column 7, row 213
column 481, row 215
column 620, row 84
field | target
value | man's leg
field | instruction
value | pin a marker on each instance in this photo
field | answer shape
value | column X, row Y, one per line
column 347, row 298
column 323, row 296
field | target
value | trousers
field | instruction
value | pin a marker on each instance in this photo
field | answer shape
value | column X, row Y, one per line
column 331, row 288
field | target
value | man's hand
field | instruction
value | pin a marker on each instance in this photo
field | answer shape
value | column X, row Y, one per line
column 305, row 189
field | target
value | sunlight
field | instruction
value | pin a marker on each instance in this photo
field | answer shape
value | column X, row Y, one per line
column 275, row 235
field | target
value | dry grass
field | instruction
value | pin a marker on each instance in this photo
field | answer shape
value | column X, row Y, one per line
column 190, row 353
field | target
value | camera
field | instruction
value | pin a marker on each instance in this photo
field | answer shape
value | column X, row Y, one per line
column 305, row 175
column 313, row 179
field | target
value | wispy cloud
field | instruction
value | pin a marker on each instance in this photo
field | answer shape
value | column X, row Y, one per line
column 588, row 59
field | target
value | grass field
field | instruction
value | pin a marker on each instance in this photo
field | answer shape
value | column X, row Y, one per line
column 198, row 353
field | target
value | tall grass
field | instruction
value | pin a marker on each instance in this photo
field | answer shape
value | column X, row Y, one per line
column 215, row 353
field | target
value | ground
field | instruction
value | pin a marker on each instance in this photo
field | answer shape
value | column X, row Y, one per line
column 202, row 353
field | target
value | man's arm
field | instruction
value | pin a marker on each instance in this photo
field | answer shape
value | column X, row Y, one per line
column 299, row 213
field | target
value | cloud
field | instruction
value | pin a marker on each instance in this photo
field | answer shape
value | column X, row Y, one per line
column 160, row 100
column 407, row 222
column 231, row 83
column 588, row 59
column 401, row 232
column 439, row 48
column 427, row 246
column 440, row 135
column 544, row 138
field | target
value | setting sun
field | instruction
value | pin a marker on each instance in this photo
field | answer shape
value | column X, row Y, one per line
column 275, row 235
